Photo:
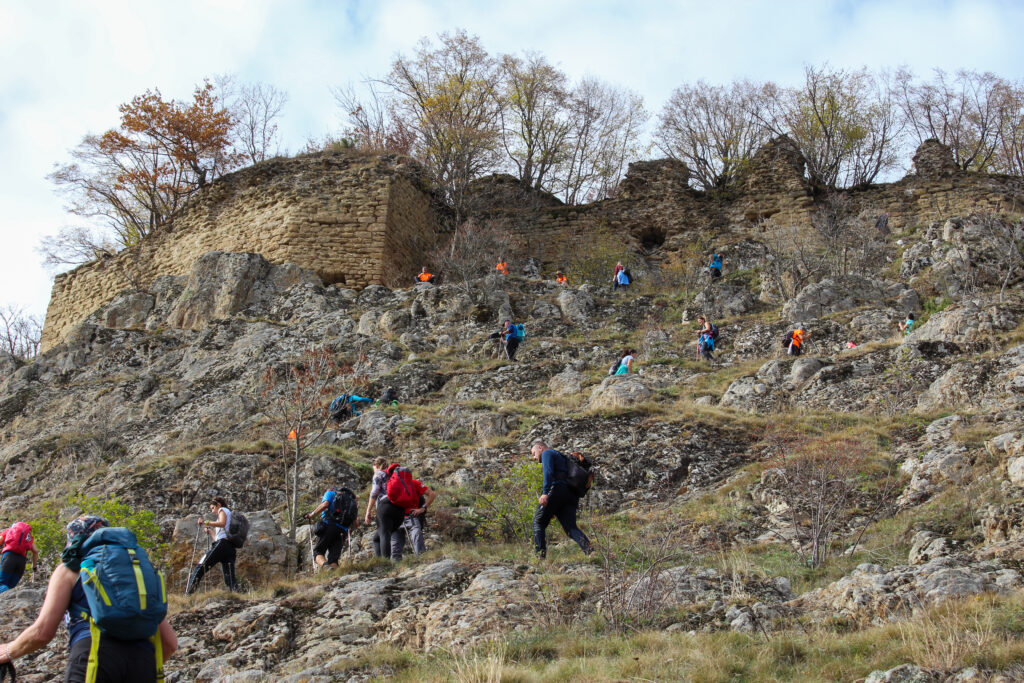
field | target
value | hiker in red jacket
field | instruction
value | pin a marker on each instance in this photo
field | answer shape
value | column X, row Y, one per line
column 16, row 542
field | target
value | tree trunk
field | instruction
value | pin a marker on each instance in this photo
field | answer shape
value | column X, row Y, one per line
column 295, row 488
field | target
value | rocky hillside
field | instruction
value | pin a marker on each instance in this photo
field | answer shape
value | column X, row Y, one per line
column 757, row 517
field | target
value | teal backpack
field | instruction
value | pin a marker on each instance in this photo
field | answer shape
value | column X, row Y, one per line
column 519, row 332
column 127, row 596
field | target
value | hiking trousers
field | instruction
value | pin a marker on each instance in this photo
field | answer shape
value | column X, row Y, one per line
column 511, row 346
column 561, row 504
column 331, row 543
column 12, row 568
column 389, row 523
column 222, row 551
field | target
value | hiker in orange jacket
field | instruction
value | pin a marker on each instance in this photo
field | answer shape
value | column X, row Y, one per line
column 424, row 276
column 502, row 267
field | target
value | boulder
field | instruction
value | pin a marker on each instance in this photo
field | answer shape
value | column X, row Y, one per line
column 127, row 310
column 832, row 295
column 905, row 673
column 804, row 368
column 723, row 300
column 621, row 391
column 566, row 383
column 576, row 304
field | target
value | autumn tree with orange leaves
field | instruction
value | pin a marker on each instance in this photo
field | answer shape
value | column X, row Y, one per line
column 134, row 178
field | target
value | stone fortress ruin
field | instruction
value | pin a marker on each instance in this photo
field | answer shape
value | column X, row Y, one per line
column 357, row 220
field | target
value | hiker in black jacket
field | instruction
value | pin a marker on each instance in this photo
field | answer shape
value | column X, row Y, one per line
column 556, row 500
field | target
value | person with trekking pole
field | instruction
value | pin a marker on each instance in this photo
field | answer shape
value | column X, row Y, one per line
column 222, row 551
column 113, row 635
column 339, row 514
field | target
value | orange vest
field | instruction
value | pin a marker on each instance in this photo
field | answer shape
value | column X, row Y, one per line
column 798, row 338
column 561, row 279
column 502, row 268
column 424, row 277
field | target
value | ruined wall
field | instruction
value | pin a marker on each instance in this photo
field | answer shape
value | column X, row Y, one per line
column 353, row 220
column 656, row 209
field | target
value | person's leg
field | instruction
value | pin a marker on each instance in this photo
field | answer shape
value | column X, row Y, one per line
column 12, row 567
column 384, row 528
column 398, row 538
column 414, row 527
column 337, row 545
column 322, row 546
column 205, row 562
column 566, row 513
column 513, row 346
column 224, row 553
column 376, row 543
column 541, row 519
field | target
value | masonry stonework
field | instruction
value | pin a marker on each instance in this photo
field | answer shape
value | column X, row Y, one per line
column 353, row 220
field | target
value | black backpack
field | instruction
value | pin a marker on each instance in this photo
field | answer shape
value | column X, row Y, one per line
column 629, row 275
column 787, row 340
column 345, row 508
column 579, row 475
column 714, row 332
column 238, row 529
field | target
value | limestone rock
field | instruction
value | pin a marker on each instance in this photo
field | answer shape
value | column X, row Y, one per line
column 576, row 304
column 905, row 673
column 622, row 391
column 566, row 383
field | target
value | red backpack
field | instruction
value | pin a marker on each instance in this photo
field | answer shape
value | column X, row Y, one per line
column 401, row 490
column 18, row 539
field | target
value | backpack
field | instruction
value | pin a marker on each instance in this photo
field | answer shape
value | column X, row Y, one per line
column 345, row 508
column 126, row 595
column 615, row 367
column 578, row 476
column 519, row 331
column 388, row 396
column 18, row 539
column 339, row 406
column 400, row 489
column 238, row 529
column 714, row 332
column 787, row 340
column 629, row 276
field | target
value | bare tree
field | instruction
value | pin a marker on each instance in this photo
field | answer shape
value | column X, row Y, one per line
column 964, row 111
column 74, row 245
column 294, row 397
column 256, row 110
column 796, row 257
column 1010, row 157
column 20, row 332
column 606, row 125
column 712, row 130
column 1006, row 240
column 850, row 245
column 372, row 121
column 473, row 250
column 449, row 95
column 846, row 124
column 535, row 122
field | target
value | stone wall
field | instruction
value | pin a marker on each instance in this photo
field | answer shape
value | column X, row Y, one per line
column 353, row 220
column 655, row 209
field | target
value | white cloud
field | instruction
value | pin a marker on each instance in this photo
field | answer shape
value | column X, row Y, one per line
column 65, row 66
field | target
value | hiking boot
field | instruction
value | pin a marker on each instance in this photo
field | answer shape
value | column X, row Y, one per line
column 541, row 554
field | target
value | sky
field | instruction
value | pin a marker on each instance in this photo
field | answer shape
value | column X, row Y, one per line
column 65, row 66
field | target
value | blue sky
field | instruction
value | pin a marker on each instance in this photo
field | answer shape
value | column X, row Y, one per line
column 65, row 66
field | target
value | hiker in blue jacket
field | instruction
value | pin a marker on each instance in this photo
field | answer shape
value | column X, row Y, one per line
column 556, row 500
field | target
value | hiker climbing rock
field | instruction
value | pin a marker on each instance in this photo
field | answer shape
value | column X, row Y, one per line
column 425, row 276
column 378, row 494
column 222, row 551
column 508, row 339
column 622, row 278
column 706, row 338
column 907, row 326
column 794, row 341
column 128, row 638
column 625, row 364
column 502, row 267
column 561, row 279
column 557, row 499
column 339, row 515
column 395, row 494
column 715, row 267
column 345, row 406
column 17, row 543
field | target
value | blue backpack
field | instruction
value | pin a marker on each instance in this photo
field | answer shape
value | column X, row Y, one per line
column 127, row 596
column 338, row 403
column 519, row 332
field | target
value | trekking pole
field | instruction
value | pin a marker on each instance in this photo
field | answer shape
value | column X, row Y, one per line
column 195, row 549
column 349, row 534
column 312, row 556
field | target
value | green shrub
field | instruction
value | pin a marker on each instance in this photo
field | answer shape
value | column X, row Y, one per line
column 508, row 502
column 48, row 527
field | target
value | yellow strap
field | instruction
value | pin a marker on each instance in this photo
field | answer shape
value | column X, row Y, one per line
column 93, row 578
column 163, row 586
column 158, row 645
column 139, row 579
column 94, row 653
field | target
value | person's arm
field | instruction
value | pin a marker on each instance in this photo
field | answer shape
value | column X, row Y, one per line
column 629, row 364
column 319, row 508
column 35, row 556
column 430, row 495
column 222, row 520
column 51, row 614
column 548, row 469
column 168, row 639
column 371, row 503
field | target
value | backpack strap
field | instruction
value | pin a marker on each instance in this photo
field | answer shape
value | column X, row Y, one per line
column 158, row 648
column 140, row 581
column 94, row 653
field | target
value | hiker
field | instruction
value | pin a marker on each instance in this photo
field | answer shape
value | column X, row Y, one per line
column 715, row 267
column 412, row 526
column 502, row 266
column 17, row 543
column 402, row 496
column 108, row 659
column 424, row 276
column 222, row 551
column 339, row 513
column 561, row 279
column 378, row 494
column 794, row 341
column 625, row 365
column 388, row 398
column 882, row 224
column 509, row 338
column 556, row 500
column 706, row 338
column 344, row 407
column 622, row 278
column 907, row 326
